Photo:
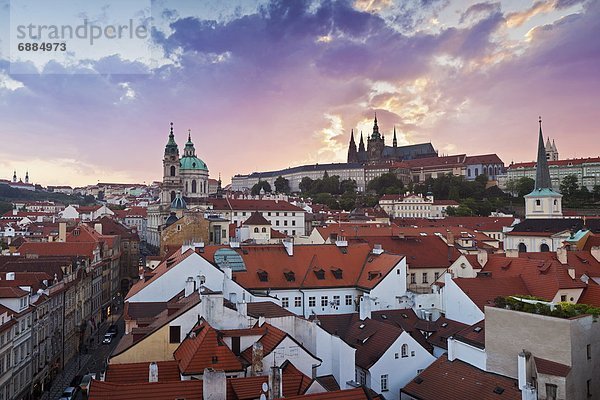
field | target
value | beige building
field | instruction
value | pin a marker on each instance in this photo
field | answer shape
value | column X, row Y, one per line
column 557, row 357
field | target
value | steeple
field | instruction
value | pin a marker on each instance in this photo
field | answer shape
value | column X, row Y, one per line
column 171, row 147
column 189, row 150
column 14, row 176
column 542, row 173
column 352, row 154
column 395, row 141
column 26, row 176
column 361, row 144
column 375, row 134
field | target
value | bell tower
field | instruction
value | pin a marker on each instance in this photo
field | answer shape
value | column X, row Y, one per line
column 171, row 179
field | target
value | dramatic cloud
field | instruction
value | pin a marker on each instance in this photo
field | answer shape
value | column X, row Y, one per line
column 274, row 84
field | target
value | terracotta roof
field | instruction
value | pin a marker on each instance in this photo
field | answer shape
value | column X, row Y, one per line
column 562, row 163
column 457, row 380
column 249, row 388
column 203, row 348
column 473, row 335
column 269, row 341
column 256, row 219
column 253, row 205
column 137, row 310
column 444, row 328
column 370, row 338
column 483, row 290
column 483, row 159
column 328, row 382
column 189, row 390
column 58, row 248
column 432, row 162
column 311, row 266
column 168, row 371
column 267, row 309
column 548, row 367
column 361, row 393
column 11, row 292
column 591, row 295
column 408, row 321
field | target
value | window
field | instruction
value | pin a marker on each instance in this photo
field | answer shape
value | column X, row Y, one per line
column 538, row 202
column 194, row 186
column 413, row 278
column 384, row 383
column 243, row 213
column 589, row 351
column 589, row 388
column 563, row 297
column 312, row 301
column 324, row 301
column 277, row 223
column 285, row 222
column 293, row 222
column 293, row 232
column 264, row 230
column 363, row 377
column 424, row 277
column 172, row 170
column 404, row 350
column 436, row 276
column 298, row 301
column 551, row 391
column 285, row 302
column 256, row 230
column 336, row 300
column 412, row 353
column 174, row 334
column 396, row 355
column 348, row 299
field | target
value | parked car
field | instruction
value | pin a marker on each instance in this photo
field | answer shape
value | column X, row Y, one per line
column 69, row 393
column 107, row 338
column 85, row 382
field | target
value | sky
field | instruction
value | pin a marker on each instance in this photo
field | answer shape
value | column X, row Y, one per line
column 265, row 85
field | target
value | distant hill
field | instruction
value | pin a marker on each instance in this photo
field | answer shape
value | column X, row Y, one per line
column 9, row 195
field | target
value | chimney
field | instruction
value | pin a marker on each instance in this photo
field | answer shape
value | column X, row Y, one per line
column 596, row 253
column 377, row 249
column 275, row 383
column 227, row 271
column 242, row 308
column 449, row 237
column 571, row 272
column 214, row 385
column 98, row 228
column 364, row 308
column 62, row 232
column 256, row 368
column 512, row 253
column 190, row 285
column 561, row 255
column 153, row 372
column 482, row 257
column 289, row 246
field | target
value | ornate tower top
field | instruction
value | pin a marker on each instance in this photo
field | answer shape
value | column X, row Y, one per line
column 189, row 150
column 171, row 147
column 395, row 141
column 375, row 134
column 542, row 173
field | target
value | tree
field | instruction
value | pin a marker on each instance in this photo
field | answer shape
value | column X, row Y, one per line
column 5, row 207
column 261, row 185
column 524, row 186
column 386, row 183
column 348, row 186
column 596, row 192
column 306, row 185
column 282, row 185
column 569, row 186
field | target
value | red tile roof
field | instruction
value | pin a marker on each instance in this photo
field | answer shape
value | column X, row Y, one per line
column 483, row 159
column 204, row 349
column 168, row 371
column 58, row 248
column 360, row 393
column 11, row 292
column 269, row 341
column 444, row 328
column 267, row 309
column 256, row 219
column 457, row 380
column 561, row 163
column 473, row 335
column 483, row 290
column 432, row 162
column 189, row 390
column 370, row 338
column 548, row 367
column 591, row 295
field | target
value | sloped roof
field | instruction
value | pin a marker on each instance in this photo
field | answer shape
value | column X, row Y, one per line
column 457, row 380
column 256, row 219
column 473, row 335
column 482, row 291
column 59, row 248
column 444, row 328
column 548, row 226
column 254, row 205
column 548, row 367
column 168, row 371
column 361, row 393
column 272, row 337
column 370, row 338
column 204, row 349
column 267, row 309
column 189, row 390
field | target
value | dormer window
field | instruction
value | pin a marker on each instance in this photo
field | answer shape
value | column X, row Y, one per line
column 263, row 276
column 337, row 273
column 320, row 274
column 290, row 276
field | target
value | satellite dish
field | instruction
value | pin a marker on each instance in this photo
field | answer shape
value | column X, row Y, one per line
column 265, row 387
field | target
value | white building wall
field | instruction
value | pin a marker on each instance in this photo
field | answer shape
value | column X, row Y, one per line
column 399, row 370
column 290, row 350
column 467, row 353
column 387, row 293
column 459, row 307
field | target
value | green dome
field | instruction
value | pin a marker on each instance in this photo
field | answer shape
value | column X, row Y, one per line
column 192, row 162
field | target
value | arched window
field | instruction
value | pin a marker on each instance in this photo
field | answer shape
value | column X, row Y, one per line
column 544, row 248
column 264, row 230
column 495, row 171
column 255, row 230
column 490, row 169
column 468, row 172
column 522, row 248
column 172, row 196
column 186, row 187
column 404, row 350
column 194, row 186
column 476, row 171
column 173, row 170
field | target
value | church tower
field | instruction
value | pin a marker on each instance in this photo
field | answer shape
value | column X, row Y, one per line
column 543, row 202
column 171, row 179
column 375, row 144
column 352, row 153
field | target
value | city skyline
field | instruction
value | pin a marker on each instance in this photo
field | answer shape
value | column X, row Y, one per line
column 249, row 77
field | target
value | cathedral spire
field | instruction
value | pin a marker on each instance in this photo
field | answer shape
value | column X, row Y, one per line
column 375, row 134
column 14, row 176
column 171, row 147
column 395, row 141
column 361, row 144
column 352, row 154
column 542, row 173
